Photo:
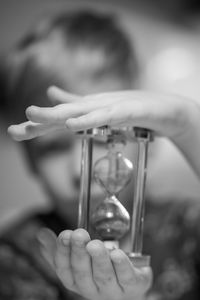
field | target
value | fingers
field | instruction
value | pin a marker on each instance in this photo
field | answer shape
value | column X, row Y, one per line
column 57, row 114
column 81, row 264
column 89, row 269
column 29, row 130
column 127, row 275
column 95, row 119
column 123, row 267
column 99, row 117
column 146, row 277
column 103, row 272
column 72, row 106
column 73, row 263
column 63, row 260
column 78, row 113
column 59, row 96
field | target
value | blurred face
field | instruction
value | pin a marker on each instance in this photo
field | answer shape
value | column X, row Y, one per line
column 58, row 155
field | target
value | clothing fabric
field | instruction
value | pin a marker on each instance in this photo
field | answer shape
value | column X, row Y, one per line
column 172, row 238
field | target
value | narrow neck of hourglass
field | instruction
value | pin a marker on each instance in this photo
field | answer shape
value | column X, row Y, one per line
column 119, row 167
column 115, row 144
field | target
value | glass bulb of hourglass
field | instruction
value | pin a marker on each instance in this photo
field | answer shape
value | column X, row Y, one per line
column 110, row 219
column 113, row 172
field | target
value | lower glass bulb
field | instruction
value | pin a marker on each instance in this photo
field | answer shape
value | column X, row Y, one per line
column 110, row 219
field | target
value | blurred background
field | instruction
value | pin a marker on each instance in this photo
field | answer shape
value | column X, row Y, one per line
column 167, row 38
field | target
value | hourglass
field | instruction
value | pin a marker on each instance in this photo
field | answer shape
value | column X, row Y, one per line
column 113, row 172
column 110, row 220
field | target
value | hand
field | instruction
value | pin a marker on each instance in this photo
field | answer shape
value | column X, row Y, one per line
column 166, row 114
column 172, row 116
column 89, row 269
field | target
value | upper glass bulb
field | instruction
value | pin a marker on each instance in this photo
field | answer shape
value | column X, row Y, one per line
column 113, row 172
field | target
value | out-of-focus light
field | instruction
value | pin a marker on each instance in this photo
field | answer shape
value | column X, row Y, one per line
column 171, row 64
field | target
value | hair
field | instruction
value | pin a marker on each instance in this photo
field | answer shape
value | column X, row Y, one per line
column 24, row 80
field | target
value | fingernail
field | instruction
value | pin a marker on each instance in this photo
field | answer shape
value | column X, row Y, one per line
column 78, row 243
column 64, row 241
